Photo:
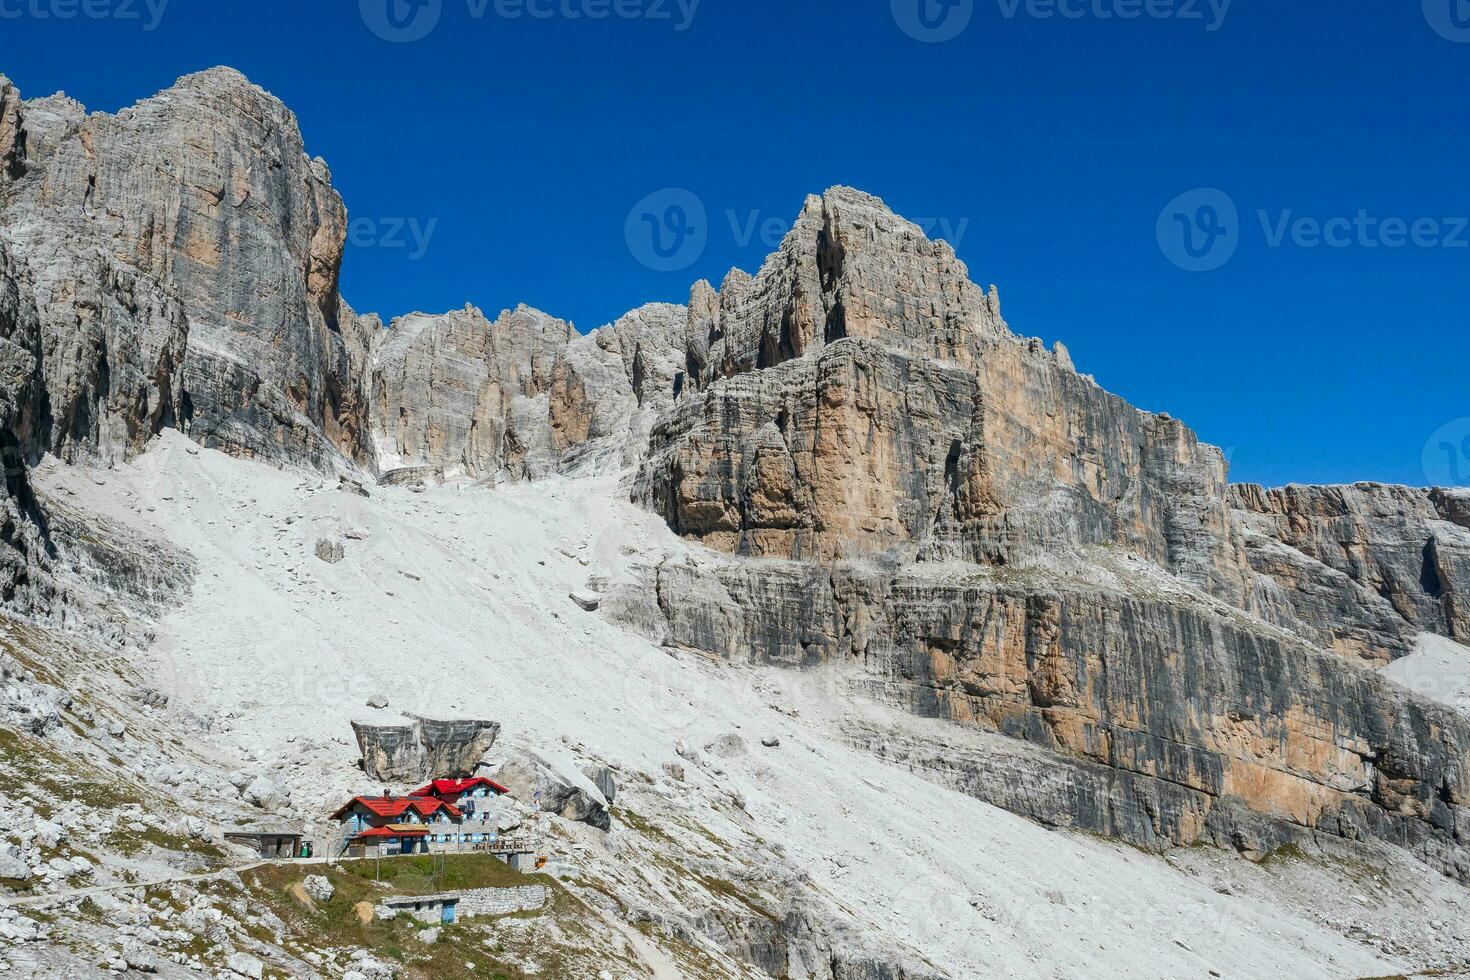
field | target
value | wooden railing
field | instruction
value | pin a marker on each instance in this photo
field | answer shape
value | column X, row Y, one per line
column 509, row 845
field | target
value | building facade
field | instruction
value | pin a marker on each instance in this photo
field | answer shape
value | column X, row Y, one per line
column 474, row 798
column 376, row 826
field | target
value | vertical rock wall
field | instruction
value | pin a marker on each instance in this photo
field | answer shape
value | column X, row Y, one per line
column 186, row 255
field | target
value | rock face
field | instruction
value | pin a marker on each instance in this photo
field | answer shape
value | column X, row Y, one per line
column 522, row 397
column 186, row 255
column 465, row 396
column 1159, row 718
column 21, row 415
column 1366, row 567
column 418, row 749
column 987, row 537
column 183, row 258
column 845, row 408
column 610, row 386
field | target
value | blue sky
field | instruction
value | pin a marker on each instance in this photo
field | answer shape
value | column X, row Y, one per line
column 496, row 160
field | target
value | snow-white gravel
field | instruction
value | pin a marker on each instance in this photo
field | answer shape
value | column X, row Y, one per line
column 1439, row 668
column 455, row 602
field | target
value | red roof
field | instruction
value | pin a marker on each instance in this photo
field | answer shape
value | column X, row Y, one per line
column 449, row 787
column 390, row 832
column 397, row 806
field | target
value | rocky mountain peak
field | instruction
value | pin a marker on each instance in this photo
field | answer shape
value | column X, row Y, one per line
column 12, row 132
column 193, row 196
column 849, row 267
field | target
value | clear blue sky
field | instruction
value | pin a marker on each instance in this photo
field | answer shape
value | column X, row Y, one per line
column 1049, row 146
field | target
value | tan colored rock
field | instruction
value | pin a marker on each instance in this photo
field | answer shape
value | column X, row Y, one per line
column 850, row 267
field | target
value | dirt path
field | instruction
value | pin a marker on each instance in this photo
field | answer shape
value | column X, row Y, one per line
column 31, row 901
column 660, row 965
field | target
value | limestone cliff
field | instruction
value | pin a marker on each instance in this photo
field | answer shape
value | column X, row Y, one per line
column 980, row 534
column 523, row 397
column 1367, row 566
column 1162, row 716
column 22, row 545
column 185, row 254
column 913, row 420
column 462, row 395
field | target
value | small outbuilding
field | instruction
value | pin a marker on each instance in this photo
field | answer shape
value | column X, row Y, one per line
column 273, row 844
column 431, row 910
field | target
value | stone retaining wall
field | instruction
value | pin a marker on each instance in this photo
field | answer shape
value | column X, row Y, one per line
column 501, row 901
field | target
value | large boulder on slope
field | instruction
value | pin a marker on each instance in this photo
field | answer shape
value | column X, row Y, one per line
column 413, row 748
column 553, row 783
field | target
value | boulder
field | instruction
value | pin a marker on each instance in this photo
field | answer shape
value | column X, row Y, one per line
column 415, row 748
column 12, row 865
column 245, row 965
column 729, row 746
column 139, row 957
column 589, row 601
column 319, row 888
column 62, row 867
column 330, row 551
column 265, row 793
column 553, row 783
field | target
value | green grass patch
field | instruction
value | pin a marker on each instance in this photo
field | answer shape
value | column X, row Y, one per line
column 132, row 842
column 637, row 822
column 30, row 767
column 336, row 923
column 728, row 889
column 424, row 874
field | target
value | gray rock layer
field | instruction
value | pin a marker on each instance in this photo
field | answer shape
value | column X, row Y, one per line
column 186, row 255
column 523, row 397
column 1367, row 566
column 1160, row 720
